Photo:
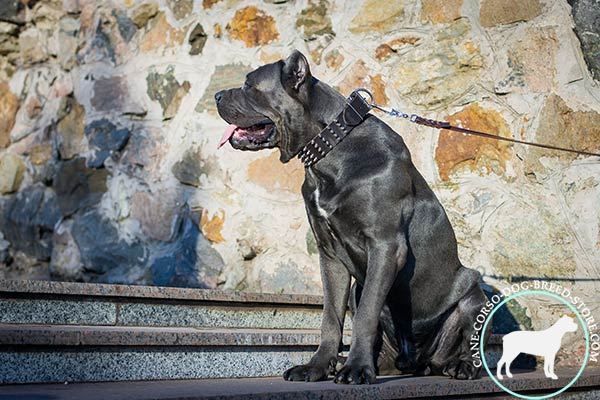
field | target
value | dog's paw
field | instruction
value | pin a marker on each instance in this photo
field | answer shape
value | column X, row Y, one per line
column 356, row 374
column 405, row 365
column 462, row 370
column 423, row 371
column 306, row 373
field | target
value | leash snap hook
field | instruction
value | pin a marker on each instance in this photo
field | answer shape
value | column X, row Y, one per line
column 388, row 110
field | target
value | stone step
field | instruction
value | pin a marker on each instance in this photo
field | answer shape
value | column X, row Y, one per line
column 71, row 353
column 76, row 332
column 72, row 335
column 71, row 303
column 60, row 303
column 402, row 387
column 79, row 335
column 33, row 288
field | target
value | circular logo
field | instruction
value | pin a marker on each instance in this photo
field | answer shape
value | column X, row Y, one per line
column 581, row 321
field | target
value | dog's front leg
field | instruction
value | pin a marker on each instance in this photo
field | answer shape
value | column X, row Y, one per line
column 384, row 262
column 336, row 288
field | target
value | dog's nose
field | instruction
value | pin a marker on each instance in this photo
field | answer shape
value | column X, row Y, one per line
column 218, row 96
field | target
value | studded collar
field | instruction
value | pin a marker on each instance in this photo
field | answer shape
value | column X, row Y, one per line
column 352, row 114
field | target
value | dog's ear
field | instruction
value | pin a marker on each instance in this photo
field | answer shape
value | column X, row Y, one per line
column 295, row 71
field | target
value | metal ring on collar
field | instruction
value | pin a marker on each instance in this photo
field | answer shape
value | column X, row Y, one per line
column 351, row 98
column 363, row 90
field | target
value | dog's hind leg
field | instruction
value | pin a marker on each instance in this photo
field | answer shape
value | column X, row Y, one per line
column 452, row 355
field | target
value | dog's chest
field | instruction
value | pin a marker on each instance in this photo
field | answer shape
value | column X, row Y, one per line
column 322, row 207
column 333, row 237
column 322, row 214
column 325, row 217
column 316, row 198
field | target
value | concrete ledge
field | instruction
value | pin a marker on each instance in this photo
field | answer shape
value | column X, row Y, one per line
column 404, row 387
column 151, row 292
column 35, row 335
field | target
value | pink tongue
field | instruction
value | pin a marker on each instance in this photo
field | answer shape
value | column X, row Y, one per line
column 228, row 133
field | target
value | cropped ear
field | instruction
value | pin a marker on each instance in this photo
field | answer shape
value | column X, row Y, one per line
column 295, row 71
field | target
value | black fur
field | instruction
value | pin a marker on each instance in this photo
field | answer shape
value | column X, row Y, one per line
column 375, row 219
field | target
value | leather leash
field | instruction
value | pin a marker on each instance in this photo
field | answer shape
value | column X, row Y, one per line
column 445, row 125
column 414, row 118
column 357, row 107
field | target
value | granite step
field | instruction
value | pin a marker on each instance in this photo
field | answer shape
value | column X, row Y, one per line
column 65, row 303
column 76, row 332
column 71, row 353
column 72, row 335
column 528, row 383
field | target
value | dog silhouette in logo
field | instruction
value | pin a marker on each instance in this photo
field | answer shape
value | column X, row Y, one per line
column 544, row 343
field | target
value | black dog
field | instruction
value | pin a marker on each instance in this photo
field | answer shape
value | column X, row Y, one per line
column 375, row 219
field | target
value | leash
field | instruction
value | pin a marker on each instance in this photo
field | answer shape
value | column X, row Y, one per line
column 414, row 118
column 356, row 109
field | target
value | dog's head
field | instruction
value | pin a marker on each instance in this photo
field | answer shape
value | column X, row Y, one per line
column 270, row 109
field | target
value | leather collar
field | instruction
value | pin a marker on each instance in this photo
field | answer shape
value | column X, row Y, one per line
column 352, row 114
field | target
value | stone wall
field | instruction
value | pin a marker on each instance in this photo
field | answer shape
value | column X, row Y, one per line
column 109, row 170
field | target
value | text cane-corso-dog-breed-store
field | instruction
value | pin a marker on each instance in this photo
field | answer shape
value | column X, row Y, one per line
column 374, row 218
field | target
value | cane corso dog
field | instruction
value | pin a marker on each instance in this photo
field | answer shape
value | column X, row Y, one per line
column 376, row 220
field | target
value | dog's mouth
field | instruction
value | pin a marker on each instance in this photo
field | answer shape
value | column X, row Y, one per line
column 254, row 137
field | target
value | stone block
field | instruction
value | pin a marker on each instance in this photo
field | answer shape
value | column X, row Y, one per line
column 253, row 26
column 12, row 170
column 9, row 105
column 104, row 139
column 165, row 89
column 28, row 219
column 586, row 15
column 57, row 312
column 501, row 12
column 77, row 186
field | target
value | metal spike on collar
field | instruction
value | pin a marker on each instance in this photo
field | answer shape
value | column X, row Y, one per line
column 312, row 152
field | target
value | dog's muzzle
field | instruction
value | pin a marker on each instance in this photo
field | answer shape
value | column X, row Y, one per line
column 256, row 134
column 262, row 135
